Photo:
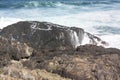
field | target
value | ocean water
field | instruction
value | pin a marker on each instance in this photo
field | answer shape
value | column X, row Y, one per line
column 99, row 17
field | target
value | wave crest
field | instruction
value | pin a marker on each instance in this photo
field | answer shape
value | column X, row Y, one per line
column 36, row 4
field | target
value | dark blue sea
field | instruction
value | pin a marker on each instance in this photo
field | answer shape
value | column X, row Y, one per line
column 99, row 17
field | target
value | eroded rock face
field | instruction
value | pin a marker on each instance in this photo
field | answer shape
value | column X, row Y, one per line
column 46, row 35
column 88, row 62
column 14, row 49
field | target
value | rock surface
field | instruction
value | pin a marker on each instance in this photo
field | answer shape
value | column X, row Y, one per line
column 47, row 35
column 88, row 62
column 32, row 50
column 16, row 71
column 11, row 49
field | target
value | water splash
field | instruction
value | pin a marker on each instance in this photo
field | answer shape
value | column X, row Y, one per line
column 74, row 38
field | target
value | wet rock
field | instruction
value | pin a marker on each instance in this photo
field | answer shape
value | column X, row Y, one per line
column 45, row 35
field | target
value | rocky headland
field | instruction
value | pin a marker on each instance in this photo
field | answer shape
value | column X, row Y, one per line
column 32, row 50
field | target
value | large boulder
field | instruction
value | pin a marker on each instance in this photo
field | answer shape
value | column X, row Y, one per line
column 40, row 35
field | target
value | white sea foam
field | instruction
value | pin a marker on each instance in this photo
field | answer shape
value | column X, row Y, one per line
column 88, row 20
column 34, row 26
column 86, row 39
column 5, row 21
column 114, row 40
column 74, row 38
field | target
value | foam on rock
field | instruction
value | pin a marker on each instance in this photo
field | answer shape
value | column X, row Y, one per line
column 47, row 35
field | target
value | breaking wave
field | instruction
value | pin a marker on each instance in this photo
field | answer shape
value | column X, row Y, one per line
column 51, row 4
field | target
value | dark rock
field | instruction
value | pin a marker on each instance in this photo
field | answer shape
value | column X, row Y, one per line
column 95, row 50
column 4, row 59
column 44, row 35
